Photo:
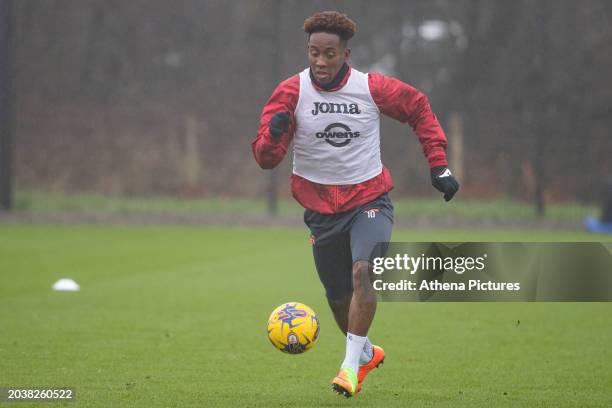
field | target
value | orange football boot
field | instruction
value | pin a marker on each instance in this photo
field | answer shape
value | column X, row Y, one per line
column 345, row 383
column 378, row 358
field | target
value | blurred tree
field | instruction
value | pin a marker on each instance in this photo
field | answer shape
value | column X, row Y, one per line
column 105, row 86
column 6, row 106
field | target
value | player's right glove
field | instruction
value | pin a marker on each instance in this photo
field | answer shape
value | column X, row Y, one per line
column 442, row 179
column 279, row 124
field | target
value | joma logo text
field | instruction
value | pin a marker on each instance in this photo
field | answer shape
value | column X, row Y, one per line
column 344, row 108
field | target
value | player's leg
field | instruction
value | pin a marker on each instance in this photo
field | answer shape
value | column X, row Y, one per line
column 372, row 225
column 333, row 262
column 340, row 308
column 363, row 302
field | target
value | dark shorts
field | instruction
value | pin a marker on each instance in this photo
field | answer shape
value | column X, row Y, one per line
column 342, row 239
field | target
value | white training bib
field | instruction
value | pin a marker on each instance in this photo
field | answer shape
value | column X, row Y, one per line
column 337, row 136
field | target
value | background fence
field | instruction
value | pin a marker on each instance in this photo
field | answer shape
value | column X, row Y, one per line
column 163, row 98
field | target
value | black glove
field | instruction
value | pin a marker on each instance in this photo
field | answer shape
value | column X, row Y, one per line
column 279, row 124
column 442, row 179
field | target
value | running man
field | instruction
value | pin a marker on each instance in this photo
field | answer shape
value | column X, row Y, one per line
column 331, row 112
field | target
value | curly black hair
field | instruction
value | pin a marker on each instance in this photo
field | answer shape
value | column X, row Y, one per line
column 331, row 22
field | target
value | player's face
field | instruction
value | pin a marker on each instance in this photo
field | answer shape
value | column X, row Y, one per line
column 326, row 55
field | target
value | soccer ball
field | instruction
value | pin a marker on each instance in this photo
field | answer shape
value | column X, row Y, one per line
column 293, row 328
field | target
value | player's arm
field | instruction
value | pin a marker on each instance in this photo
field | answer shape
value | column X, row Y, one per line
column 407, row 104
column 277, row 124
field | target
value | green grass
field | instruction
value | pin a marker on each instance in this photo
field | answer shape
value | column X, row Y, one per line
column 490, row 209
column 46, row 202
column 411, row 207
column 176, row 316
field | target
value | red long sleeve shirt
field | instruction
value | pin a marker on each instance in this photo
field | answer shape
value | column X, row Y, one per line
column 393, row 97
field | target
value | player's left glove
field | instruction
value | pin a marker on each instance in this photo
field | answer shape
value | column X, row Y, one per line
column 442, row 179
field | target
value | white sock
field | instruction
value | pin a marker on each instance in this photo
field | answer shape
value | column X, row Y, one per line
column 354, row 347
column 367, row 353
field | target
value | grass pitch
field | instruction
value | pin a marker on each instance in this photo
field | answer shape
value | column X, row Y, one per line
column 176, row 317
column 466, row 209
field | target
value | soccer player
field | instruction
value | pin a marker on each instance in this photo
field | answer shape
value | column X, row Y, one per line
column 331, row 112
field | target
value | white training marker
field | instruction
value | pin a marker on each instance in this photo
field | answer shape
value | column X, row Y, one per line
column 66, row 285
